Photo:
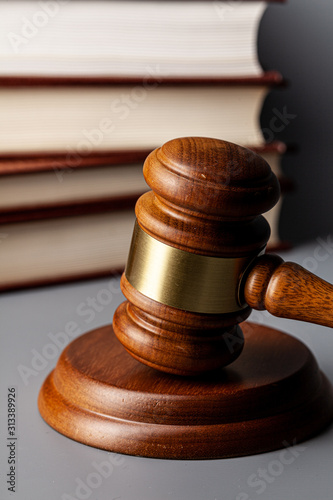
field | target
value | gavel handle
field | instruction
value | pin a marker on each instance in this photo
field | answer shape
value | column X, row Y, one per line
column 287, row 290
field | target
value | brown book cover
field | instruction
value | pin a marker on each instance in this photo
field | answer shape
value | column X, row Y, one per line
column 39, row 162
column 111, row 205
column 21, row 163
column 266, row 78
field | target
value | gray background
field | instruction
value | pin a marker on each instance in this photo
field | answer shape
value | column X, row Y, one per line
column 296, row 38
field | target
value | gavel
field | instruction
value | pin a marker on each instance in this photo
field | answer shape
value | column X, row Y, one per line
column 197, row 263
column 196, row 267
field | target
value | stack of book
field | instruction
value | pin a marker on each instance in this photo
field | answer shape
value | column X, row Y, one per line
column 87, row 90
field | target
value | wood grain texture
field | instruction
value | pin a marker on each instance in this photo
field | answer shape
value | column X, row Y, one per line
column 272, row 396
column 287, row 290
column 174, row 341
column 207, row 196
column 207, row 199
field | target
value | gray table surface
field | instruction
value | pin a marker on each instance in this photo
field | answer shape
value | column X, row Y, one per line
column 33, row 325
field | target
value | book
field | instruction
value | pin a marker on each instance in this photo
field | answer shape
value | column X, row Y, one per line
column 273, row 153
column 83, row 119
column 68, row 244
column 87, row 90
column 63, row 246
column 47, row 182
column 39, row 183
column 44, row 240
column 130, row 38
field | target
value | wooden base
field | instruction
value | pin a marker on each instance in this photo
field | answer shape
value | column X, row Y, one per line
column 273, row 395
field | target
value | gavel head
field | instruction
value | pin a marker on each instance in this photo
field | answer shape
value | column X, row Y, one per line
column 196, row 233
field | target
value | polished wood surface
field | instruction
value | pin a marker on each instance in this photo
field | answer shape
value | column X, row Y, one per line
column 287, row 290
column 207, row 196
column 271, row 397
column 175, row 341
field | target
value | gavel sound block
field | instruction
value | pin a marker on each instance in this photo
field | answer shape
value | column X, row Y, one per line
column 180, row 374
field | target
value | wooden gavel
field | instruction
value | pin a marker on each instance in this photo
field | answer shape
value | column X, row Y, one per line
column 197, row 264
column 196, row 267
